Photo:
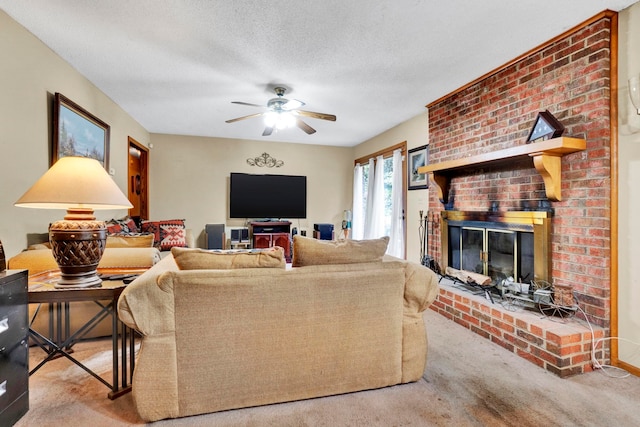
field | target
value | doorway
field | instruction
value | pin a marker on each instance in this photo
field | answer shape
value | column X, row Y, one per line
column 138, row 182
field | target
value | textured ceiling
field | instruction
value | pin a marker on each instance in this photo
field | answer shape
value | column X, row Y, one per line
column 175, row 66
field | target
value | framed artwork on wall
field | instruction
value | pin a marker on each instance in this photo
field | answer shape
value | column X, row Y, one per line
column 76, row 132
column 417, row 158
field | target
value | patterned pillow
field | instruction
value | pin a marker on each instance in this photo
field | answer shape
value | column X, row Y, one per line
column 124, row 225
column 113, row 227
column 167, row 234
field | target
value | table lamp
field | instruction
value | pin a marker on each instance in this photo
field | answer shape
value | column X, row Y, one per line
column 80, row 185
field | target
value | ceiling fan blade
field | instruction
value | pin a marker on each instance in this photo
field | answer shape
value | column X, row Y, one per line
column 315, row 115
column 305, row 127
column 292, row 104
column 267, row 131
column 244, row 117
column 246, row 103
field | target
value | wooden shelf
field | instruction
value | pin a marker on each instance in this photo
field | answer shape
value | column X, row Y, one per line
column 546, row 157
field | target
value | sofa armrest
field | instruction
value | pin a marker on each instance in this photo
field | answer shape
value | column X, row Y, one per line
column 144, row 306
column 420, row 290
column 129, row 257
column 36, row 261
column 39, row 260
column 421, row 287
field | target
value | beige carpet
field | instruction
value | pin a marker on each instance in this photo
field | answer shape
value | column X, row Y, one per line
column 468, row 382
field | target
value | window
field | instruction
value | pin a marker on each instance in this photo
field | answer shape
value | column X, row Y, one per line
column 379, row 202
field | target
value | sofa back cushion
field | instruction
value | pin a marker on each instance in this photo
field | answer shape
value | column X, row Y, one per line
column 308, row 251
column 201, row 259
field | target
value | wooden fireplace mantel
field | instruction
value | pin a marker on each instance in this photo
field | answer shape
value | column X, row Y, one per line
column 546, row 156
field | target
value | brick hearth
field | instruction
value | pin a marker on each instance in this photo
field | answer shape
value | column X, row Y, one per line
column 561, row 346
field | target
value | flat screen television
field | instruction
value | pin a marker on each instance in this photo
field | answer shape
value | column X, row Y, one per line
column 267, row 196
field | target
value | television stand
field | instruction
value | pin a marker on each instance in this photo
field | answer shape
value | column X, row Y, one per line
column 267, row 234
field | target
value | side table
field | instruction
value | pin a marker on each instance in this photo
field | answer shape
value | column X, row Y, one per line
column 42, row 291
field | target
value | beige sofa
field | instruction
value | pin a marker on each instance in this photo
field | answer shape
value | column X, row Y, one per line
column 220, row 331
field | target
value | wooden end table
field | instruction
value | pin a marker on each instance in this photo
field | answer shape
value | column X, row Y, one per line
column 42, row 291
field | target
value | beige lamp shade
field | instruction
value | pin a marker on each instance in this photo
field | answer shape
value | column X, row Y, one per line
column 79, row 185
column 75, row 182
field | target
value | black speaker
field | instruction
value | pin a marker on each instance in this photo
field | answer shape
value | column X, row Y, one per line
column 214, row 235
column 239, row 235
column 323, row 231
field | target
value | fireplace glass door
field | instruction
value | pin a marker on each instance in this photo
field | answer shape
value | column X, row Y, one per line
column 501, row 254
column 497, row 253
column 472, row 244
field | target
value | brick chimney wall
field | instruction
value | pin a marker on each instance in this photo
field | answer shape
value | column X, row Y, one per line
column 570, row 77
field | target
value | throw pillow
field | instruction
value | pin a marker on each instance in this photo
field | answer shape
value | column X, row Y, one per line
column 166, row 234
column 308, row 251
column 202, row 259
column 123, row 225
column 133, row 240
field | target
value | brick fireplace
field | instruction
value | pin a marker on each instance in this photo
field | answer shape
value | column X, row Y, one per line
column 571, row 76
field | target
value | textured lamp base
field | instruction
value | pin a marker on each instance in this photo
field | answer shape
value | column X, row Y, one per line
column 77, row 247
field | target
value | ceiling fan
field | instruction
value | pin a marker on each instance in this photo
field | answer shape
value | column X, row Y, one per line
column 282, row 113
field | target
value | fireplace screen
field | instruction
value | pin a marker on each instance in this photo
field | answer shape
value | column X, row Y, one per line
column 495, row 253
column 498, row 249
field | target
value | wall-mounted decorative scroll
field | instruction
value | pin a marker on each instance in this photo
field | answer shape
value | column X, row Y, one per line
column 265, row 160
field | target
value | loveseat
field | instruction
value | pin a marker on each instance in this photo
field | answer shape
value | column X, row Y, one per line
column 231, row 329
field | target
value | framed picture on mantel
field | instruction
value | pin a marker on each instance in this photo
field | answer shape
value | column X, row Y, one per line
column 545, row 127
column 417, row 159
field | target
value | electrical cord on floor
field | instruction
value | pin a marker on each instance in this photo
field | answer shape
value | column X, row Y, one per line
column 594, row 345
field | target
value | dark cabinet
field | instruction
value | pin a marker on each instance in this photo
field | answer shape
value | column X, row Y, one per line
column 272, row 233
column 14, row 350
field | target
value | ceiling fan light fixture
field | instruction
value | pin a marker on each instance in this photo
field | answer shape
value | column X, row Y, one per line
column 270, row 119
column 292, row 104
column 286, row 121
column 282, row 113
column 279, row 120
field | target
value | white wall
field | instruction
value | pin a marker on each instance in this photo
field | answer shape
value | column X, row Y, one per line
column 30, row 73
column 628, row 190
column 415, row 132
column 190, row 178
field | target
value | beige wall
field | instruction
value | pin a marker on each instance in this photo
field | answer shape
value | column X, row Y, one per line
column 415, row 132
column 30, row 73
column 628, row 190
column 190, row 178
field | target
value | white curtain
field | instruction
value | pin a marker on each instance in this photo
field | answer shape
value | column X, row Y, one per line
column 357, row 222
column 374, row 226
column 368, row 209
column 396, row 239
